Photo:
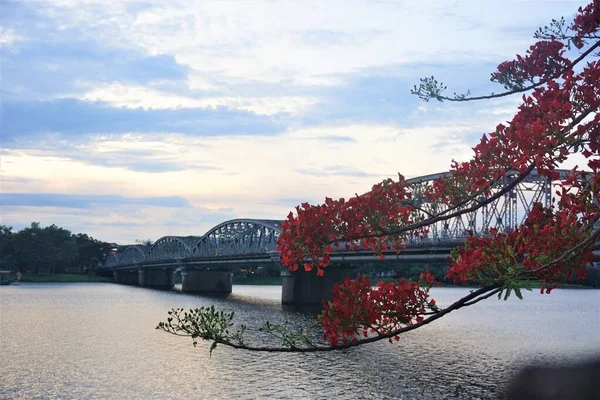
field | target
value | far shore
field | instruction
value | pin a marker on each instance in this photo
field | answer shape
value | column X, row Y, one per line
column 60, row 278
column 237, row 280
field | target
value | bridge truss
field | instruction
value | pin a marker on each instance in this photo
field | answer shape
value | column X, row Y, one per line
column 255, row 237
column 505, row 213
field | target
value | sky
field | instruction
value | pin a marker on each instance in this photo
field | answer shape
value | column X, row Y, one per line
column 134, row 120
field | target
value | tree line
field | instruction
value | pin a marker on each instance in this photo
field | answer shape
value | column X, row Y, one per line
column 49, row 250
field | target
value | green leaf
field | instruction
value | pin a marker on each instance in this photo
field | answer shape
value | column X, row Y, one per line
column 518, row 292
column 212, row 347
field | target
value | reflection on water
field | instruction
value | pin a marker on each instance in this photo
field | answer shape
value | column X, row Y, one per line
column 97, row 341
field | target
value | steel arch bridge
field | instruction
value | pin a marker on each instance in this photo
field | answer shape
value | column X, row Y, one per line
column 256, row 238
column 234, row 238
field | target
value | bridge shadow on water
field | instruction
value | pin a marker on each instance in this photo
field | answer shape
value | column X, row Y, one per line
column 255, row 299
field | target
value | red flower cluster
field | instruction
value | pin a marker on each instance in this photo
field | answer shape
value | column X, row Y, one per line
column 525, row 252
column 358, row 308
column 586, row 22
column 356, row 223
column 544, row 60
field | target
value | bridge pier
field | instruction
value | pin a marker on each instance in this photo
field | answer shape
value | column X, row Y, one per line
column 206, row 281
column 306, row 288
column 156, row 278
column 126, row 277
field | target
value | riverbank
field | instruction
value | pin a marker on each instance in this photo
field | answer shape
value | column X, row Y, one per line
column 62, row 278
column 78, row 278
column 250, row 280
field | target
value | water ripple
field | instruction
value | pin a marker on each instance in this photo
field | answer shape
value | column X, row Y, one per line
column 97, row 341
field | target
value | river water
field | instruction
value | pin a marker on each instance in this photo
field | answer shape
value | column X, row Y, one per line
column 97, row 341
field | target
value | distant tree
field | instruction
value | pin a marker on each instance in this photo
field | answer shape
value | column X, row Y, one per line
column 90, row 252
column 63, row 248
column 8, row 260
column 30, row 249
column 49, row 250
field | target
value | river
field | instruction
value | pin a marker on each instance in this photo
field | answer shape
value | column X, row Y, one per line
column 97, row 341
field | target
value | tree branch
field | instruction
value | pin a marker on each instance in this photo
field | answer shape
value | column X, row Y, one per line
column 455, row 306
column 443, row 216
column 488, row 295
column 591, row 240
column 525, row 89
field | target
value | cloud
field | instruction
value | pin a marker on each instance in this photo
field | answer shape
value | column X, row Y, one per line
column 25, row 181
column 329, row 37
column 138, row 160
column 73, row 118
column 334, row 170
column 118, row 95
column 240, row 114
column 287, row 41
column 47, row 68
column 8, row 37
column 120, row 222
column 86, row 201
column 335, row 138
column 152, row 167
column 145, row 153
column 289, row 201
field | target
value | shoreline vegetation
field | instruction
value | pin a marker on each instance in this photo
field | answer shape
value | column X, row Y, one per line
column 60, row 278
column 237, row 280
column 534, row 285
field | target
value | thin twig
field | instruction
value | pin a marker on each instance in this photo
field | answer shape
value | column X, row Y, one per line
column 490, row 294
column 527, row 88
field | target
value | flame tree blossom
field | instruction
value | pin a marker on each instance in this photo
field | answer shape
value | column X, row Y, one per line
column 558, row 117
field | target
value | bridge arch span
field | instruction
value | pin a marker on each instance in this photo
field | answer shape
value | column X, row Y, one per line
column 239, row 237
column 171, row 248
column 133, row 255
column 111, row 260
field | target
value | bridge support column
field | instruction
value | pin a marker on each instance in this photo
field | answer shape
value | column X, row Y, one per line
column 206, row 281
column 126, row 277
column 156, row 278
column 306, row 288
